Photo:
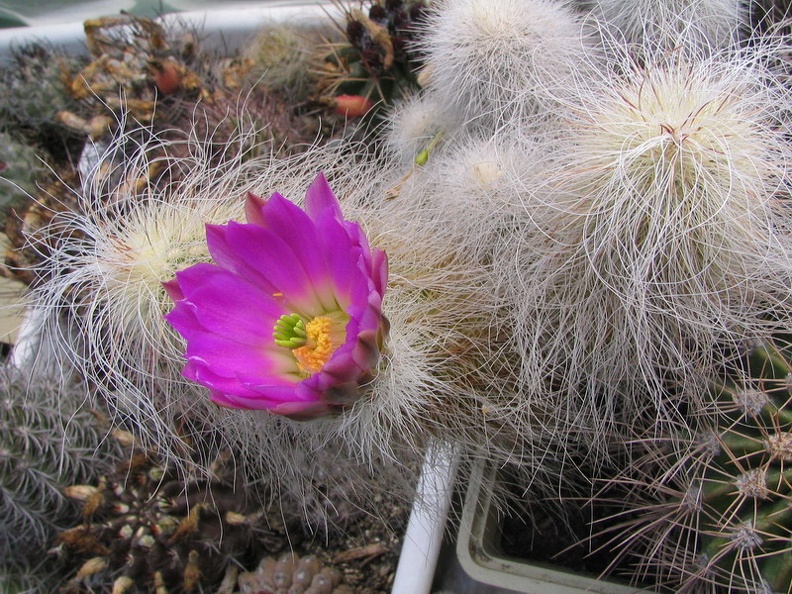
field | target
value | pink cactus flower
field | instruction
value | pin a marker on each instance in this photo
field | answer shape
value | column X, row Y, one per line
column 288, row 318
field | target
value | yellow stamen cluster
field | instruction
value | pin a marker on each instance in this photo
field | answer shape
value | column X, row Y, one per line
column 312, row 343
column 318, row 348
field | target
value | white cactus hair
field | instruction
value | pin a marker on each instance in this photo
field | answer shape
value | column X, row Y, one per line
column 444, row 227
column 667, row 24
column 102, row 295
column 102, row 299
column 442, row 345
column 101, row 303
column 551, row 276
column 665, row 235
column 494, row 63
column 413, row 125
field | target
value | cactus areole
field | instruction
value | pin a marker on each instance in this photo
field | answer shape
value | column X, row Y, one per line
column 288, row 318
column 746, row 526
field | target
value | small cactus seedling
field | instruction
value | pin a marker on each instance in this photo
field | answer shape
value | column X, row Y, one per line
column 377, row 62
column 283, row 58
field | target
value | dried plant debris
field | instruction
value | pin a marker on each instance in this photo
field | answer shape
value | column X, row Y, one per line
column 135, row 55
column 147, row 528
column 139, row 74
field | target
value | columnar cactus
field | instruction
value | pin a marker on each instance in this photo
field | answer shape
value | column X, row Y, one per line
column 46, row 441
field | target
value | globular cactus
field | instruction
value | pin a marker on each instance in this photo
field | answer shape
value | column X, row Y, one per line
column 499, row 65
column 709, row 508
column 663, row 239
column 33, row 91
column 673, row 24
column 284, row 60
column 20, row 170
column 46, row 441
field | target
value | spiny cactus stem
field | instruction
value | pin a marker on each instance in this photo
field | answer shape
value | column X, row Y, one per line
column 770, row 361
column 770, row 517
column 782, row 415
column 777, row 404
column 715, row 491
column 778, row 479
column 779, row 566
column 739, row 444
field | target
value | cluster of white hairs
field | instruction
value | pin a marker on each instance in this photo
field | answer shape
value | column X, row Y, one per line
column 100, row 304
column 639, row 233
column 588, row 231
column 670, row 226
column 672, row 24
column 494, row 66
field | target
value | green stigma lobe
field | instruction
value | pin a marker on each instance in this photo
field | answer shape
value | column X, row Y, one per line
column 289, row 331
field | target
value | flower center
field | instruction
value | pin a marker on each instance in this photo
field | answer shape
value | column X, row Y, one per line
column 311, row 343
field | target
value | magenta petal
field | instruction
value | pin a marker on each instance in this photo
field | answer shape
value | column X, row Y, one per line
column 200, row 372
column 253, row 206
column 269, row 397
column 227, row 357
column 222, row 302
column 284, row 260
column 379, row 270
column 278, row 268
column 305, row 239
column 173, row 290
column 225, row 257
column 320, row 197
column 302, row 411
